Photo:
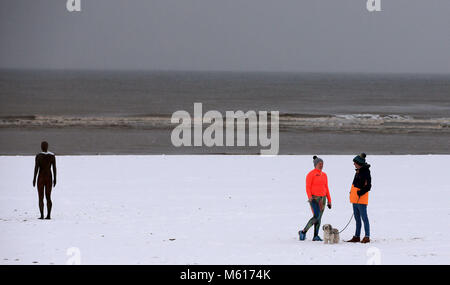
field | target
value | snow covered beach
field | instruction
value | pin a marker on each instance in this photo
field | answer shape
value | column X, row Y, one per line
column 220, row 210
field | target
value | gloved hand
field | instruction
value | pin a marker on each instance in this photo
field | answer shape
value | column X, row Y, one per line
column 360, row 193
column 329, row 205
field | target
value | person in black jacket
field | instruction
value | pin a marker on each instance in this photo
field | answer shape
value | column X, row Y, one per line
column 359, row 197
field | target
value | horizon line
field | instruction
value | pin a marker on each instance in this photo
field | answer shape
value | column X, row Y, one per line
column 2, row 69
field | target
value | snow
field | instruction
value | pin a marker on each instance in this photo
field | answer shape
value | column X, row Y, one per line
column 220, row 210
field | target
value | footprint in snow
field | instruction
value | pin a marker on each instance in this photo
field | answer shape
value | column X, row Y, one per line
column 417, row 238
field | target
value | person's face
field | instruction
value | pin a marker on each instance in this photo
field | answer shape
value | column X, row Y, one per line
column 357, row 166
column 319, row 165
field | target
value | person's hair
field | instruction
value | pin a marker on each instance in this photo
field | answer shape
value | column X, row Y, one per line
column 44, row 146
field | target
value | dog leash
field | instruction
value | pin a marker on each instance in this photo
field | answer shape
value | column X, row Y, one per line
column 347, row 224
column 350, row 218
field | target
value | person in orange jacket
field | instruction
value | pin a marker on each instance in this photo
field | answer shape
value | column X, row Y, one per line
column 359, row 197
column 318, row 195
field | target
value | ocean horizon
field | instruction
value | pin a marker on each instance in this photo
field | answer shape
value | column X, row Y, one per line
column 333, row 113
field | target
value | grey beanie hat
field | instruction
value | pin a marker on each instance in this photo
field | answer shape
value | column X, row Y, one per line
column 316, row 160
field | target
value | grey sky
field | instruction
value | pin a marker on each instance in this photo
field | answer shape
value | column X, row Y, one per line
column 277, row 35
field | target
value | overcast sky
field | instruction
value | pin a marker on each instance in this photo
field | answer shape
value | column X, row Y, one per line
column 257, row 35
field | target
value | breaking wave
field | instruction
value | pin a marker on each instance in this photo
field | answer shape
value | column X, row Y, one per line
column 288, row 122
column 368, row 122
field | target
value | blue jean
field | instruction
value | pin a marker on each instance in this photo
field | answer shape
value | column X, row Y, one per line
column 360, row 212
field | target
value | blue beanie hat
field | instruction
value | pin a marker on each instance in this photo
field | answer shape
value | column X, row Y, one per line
column 360, row 159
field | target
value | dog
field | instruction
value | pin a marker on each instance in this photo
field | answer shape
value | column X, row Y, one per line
column 331, row 235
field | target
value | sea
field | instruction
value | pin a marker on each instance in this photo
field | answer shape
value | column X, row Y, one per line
column 81, row 112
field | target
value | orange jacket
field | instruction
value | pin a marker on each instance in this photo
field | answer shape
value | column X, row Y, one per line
column 355, row 199
column 317, row 184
